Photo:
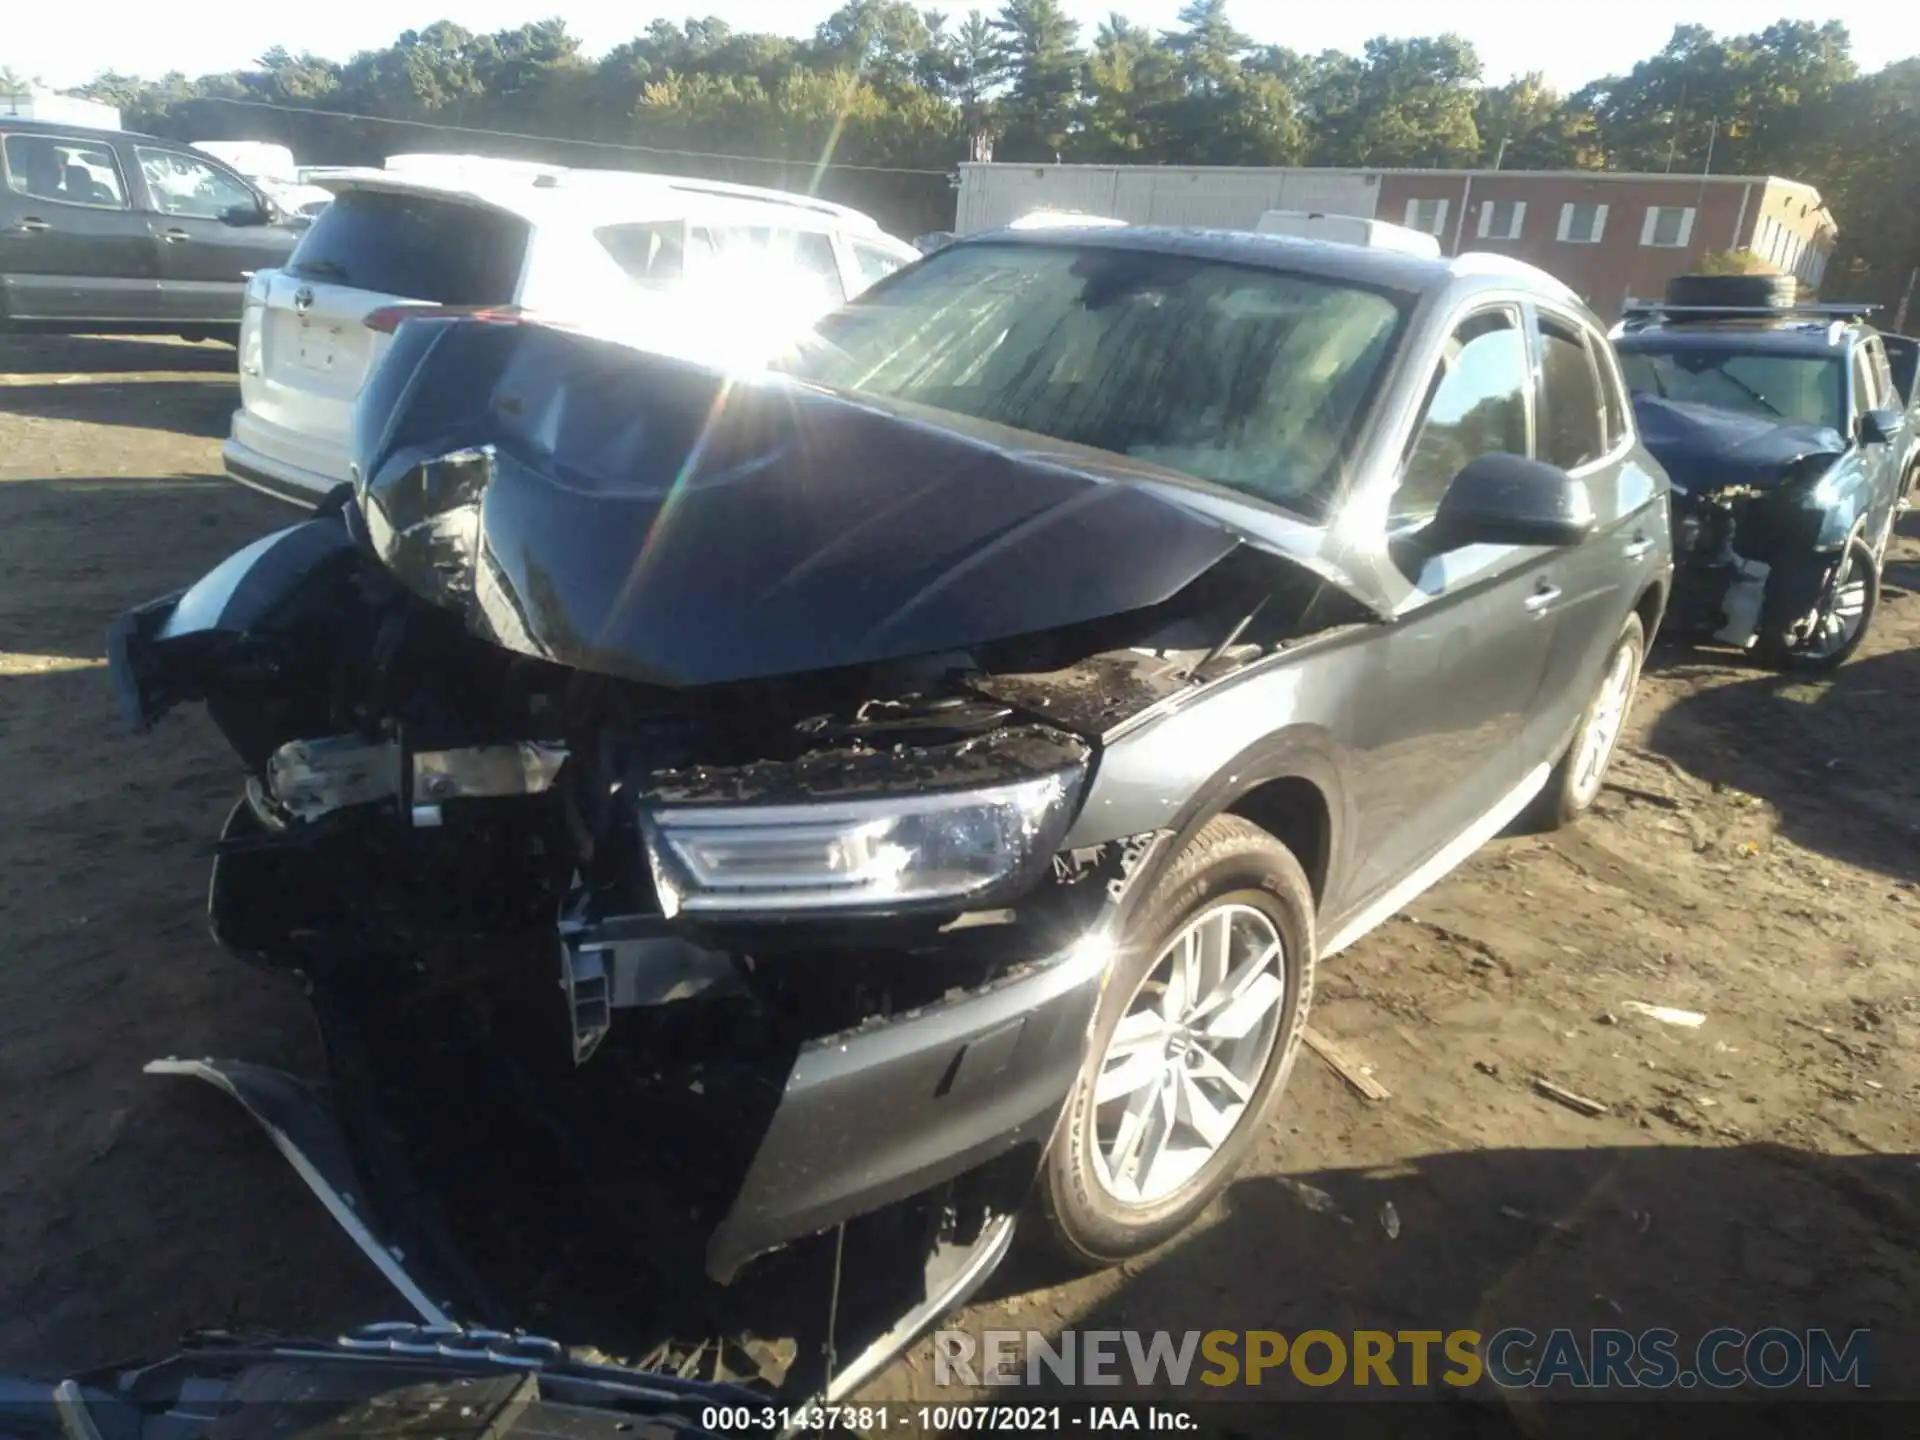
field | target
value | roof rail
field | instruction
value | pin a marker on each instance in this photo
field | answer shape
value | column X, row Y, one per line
column 1843, row 310
column 694, row 185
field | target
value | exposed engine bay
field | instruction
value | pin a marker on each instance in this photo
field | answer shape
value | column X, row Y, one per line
column 682, row 930
column 1754, row 543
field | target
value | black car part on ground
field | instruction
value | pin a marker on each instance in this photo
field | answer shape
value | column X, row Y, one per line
column 387, row 1378
column 457, row 690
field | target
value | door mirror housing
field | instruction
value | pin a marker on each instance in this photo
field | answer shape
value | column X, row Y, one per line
column 1879, row 427
column 1501, row 499
column 258, row 213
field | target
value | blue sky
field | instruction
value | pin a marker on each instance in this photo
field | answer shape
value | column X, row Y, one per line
column 1572, row 43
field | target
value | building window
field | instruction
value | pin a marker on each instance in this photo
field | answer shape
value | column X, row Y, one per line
column 1583, row 224
column 1429, row 216
column 1668, row 226
column 1502, row 219
column 1776, row 243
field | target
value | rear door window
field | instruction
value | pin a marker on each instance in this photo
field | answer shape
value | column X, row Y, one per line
column 1572, row 431
column 653, row 253
column 1903, row 358
column 768, row 250
column 1619, row 413
column 1888, row 396
column 69, row 172
column 414, row 247
column 873, row 263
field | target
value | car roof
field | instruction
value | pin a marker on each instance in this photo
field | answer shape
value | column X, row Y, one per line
column 557, row 194
column 1377, row 267
column 92, row 132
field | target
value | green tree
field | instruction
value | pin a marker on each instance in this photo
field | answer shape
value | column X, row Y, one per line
column 1523, row 125
column 885, row 42
column 1747, row 96
column 1402, row 103
column 1224, row 113
column 1040, row 55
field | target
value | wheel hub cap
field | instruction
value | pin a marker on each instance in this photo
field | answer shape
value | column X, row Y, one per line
column 1603, row 730
column 1181, row 1067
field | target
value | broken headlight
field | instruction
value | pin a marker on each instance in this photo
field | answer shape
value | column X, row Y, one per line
column 897, row 852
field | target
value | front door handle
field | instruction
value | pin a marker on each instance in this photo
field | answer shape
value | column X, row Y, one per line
column 1638, row 547
column 174, row 237
column 33, row 225
column 1543, row 595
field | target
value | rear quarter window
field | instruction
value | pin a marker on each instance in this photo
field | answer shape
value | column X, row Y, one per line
column 415, row 247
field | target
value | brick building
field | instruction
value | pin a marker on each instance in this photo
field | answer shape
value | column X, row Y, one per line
column 1610, row 236
column 1614, row 237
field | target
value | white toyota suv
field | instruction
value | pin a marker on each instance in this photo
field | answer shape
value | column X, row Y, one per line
column 713, row 271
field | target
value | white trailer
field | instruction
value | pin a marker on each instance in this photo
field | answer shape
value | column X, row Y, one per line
column 1210, row 196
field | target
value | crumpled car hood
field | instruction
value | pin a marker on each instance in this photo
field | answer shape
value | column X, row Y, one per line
column 1702, row 448
column 646, row 517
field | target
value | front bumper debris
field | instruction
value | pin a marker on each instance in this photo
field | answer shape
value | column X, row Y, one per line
column 303, row 1129
column 881, row 1113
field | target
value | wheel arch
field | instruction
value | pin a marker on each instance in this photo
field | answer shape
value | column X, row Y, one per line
column 1290, row 785
column 1651, row 607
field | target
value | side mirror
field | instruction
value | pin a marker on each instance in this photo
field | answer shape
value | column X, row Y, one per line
column 255, row 214
column 1501, row 499
column 1879, row 427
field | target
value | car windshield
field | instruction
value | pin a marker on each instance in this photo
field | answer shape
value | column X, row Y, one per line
column 1246, row 377
column 1801, row 389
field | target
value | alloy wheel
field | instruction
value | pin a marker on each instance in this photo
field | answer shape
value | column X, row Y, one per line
column 1833, row 626
column 1184, row 1061
column 1603, row 728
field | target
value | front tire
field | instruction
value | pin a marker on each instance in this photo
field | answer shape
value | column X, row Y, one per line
column 1835, row 631
column 1195, row 1036
column 1577, row 780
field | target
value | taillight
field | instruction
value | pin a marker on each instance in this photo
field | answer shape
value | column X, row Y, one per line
column 388, row 317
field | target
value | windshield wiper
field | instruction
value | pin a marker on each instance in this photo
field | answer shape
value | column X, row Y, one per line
column 1735, row 379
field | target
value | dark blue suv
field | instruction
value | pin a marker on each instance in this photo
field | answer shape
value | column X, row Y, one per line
column 1786, row 433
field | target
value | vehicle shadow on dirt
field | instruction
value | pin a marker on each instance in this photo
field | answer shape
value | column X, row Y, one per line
column 1687, row 1239
column 1831, row 754
column 202, row 407
column 111, row 355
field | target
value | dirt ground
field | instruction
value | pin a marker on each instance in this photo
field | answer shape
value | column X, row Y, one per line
column 1756, row 859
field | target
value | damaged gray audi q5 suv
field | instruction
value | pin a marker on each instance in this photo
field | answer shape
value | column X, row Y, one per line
column 712, row 811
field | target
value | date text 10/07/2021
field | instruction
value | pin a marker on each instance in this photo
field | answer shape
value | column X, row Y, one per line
column 946, row 1419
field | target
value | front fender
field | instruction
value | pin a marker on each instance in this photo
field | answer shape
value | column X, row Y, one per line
column 157, row 652
column 1282, row 719
column 1836, row 504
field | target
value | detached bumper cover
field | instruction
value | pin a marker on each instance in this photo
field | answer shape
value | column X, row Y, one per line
column 878, row 1114
column 302, row 1130
column 245, row 596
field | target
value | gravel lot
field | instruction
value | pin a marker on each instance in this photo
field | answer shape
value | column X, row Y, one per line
column 1756, row 860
